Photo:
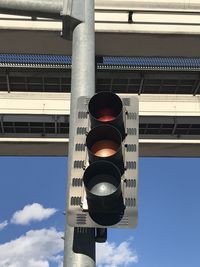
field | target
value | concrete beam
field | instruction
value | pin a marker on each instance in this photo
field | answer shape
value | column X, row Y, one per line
column 59, row 147
column 107, row 44
column 117, row 33
column 59, row 104
column 169, row 148
column 152, row 107
column 33, row 146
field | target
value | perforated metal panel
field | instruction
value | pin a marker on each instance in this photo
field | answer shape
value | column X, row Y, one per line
column 77, row 204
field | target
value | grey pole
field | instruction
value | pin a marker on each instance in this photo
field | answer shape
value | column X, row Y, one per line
column 43, row 8
column 79, row 245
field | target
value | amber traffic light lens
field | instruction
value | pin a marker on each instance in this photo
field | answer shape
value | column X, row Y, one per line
column 104, row 148
column 104, row 142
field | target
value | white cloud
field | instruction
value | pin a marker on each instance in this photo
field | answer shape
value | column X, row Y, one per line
column 3, row 225
column 37, row 248
column 112, row 255
column 33, row 212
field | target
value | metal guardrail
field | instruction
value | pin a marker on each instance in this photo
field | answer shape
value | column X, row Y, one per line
column 103, row 63
column 53, row 8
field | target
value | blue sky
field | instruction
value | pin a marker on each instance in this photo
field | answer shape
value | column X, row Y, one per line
column 33, row 196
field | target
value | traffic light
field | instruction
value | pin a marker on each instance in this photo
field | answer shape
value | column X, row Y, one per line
column 104, row 173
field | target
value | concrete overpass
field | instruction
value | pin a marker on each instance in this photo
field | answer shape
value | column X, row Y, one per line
column 34, row 96
column 37, row 122
column 123, row 28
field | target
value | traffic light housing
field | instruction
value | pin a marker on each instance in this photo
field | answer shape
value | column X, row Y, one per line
column 104, row 173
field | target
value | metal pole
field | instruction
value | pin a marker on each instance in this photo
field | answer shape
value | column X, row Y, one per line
column 52, row 8
column 43, row 8
column 79, row 246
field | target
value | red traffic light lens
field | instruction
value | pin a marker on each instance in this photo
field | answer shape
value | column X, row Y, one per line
column 105, row 107
column 104, row 148
column 106, row 115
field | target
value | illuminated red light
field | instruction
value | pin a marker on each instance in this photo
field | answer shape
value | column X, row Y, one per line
column 104, row 148
column 106, row 114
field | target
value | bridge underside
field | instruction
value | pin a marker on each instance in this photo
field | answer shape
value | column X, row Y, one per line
column 115, row 44
column 35, row 90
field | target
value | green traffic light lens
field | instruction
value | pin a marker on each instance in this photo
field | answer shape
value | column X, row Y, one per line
column 102, row 181
column 102, row 178
column 103, row 189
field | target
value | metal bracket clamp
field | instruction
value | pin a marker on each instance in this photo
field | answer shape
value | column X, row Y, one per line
column 101, row 235
column 130, row 17
column 73, row 13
